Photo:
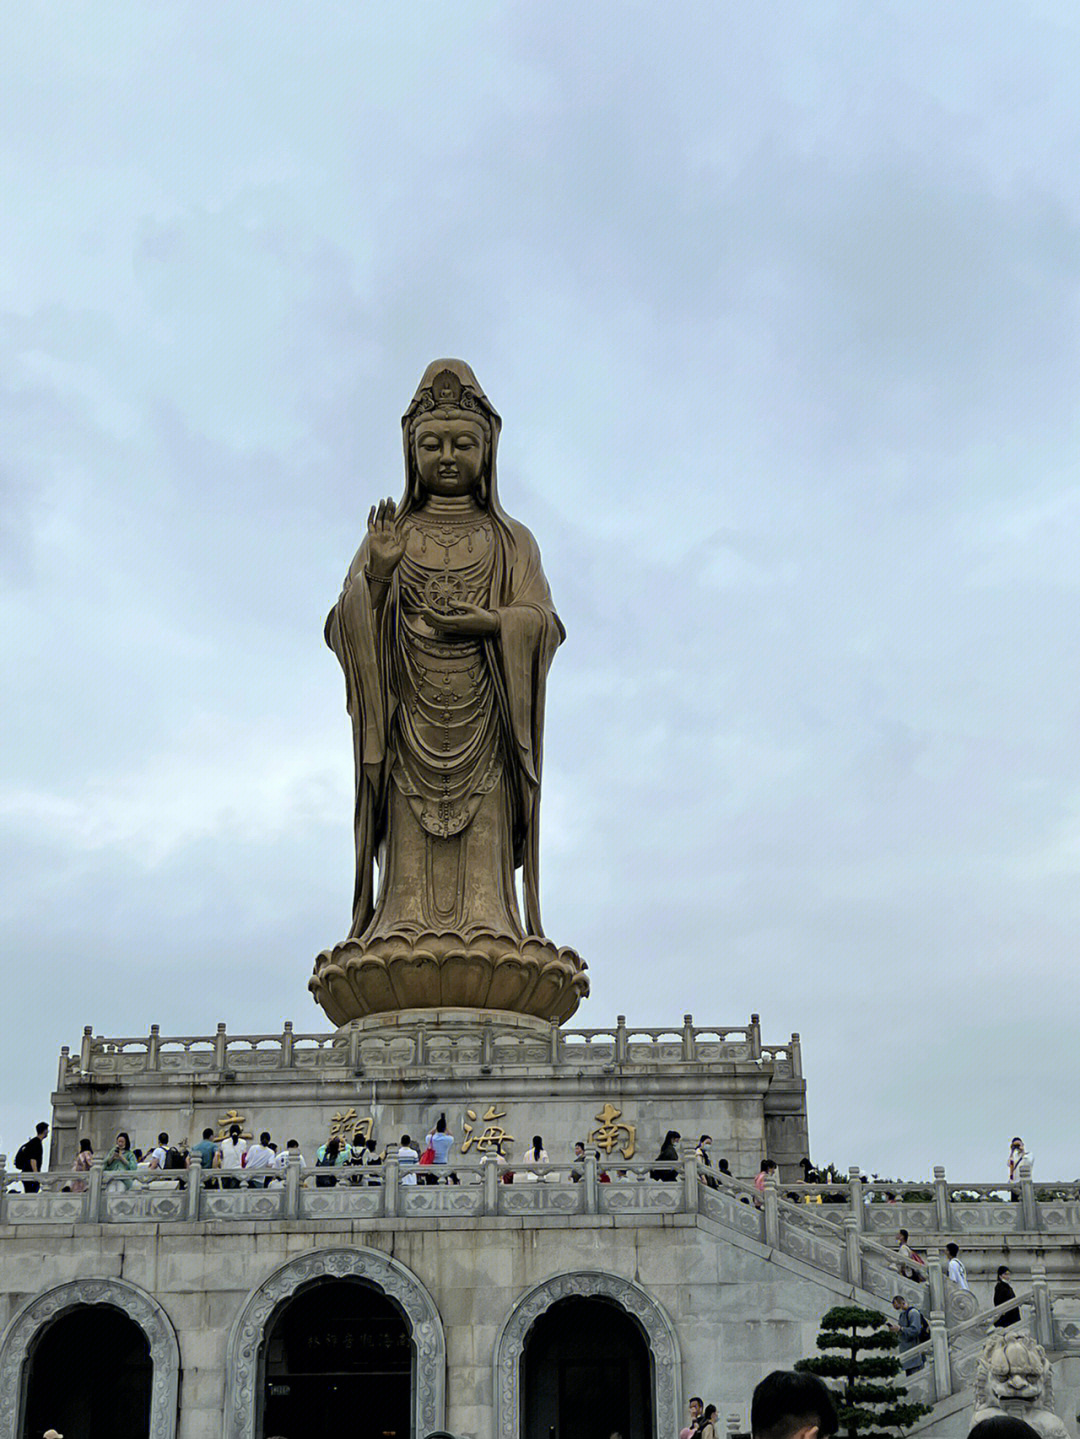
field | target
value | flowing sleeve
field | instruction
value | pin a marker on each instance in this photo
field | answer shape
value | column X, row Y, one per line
column 354, row 633
column 530, row 632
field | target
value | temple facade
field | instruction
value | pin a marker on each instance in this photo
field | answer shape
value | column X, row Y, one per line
column 578, row 1296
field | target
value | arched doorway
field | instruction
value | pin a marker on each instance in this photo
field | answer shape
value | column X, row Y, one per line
column 245, row 1362
column 89, row 1375
column 338, row 1356
column 586, row 1371
column 648, row 1316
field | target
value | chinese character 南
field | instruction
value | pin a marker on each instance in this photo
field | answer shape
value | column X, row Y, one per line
column 606, row 1134
column 493, row 1134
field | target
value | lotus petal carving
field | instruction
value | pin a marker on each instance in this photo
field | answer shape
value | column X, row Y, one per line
column 431, row 970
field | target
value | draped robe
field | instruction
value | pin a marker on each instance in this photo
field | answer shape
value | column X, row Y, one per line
column 437, row 831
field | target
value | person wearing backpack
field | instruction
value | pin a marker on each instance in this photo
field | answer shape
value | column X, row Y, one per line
column 29, row 1157
column 912, row 1329
column 166, row 1156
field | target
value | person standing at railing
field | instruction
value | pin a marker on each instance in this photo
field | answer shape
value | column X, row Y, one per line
column 30, row 1157
column 1017, row 1155
column 764, row 1174
column 231, row 1157
column 121, row 1161
column 440, row 1141
column 260, row 1156
column 577, row 1170
column 408, row 1159
column 535, row 1154
column 668, row 1158
column 207, row 1150
column 1003, row 1291
column 83, row 1161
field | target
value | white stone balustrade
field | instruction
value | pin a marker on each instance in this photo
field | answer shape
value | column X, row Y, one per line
column 375, row 1049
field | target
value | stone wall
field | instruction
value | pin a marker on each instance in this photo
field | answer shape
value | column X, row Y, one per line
column 733, row 1311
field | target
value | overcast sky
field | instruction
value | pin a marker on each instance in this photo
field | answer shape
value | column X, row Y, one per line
column 779, row 304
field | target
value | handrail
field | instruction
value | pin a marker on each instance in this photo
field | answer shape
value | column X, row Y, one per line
column 621, row 1044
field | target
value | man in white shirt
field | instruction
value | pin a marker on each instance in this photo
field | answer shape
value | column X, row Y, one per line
column 160, row 1153
column 957, row 1273
column 291, row 1150
column 407, row 1156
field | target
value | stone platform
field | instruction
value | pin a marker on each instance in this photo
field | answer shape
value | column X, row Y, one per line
column 495, row 1075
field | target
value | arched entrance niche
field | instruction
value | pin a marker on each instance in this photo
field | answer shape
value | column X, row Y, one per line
column 514, row 1366
column 384, row 1291
column 126, row 1340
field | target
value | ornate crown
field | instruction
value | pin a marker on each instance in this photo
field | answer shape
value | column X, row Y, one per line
column 448, row 395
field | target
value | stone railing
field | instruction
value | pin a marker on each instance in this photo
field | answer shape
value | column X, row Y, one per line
column 840, row 1250
column 416, row 1045
column 385, row 1191
column 941, row 1207
column 950, row 1356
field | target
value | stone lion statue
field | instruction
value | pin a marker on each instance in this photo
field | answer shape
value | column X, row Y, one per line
column 1014, row 1378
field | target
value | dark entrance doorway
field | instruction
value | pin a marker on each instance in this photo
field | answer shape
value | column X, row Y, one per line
column 586, row 1371
column 338, row 1360
column 89, row 1375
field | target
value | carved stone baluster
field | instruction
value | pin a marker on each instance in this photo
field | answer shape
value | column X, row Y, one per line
column 220, row 1043
column 755, row 1036
column 62, row 1076
column 354, row 1046
column 942, row 1205
column 153, row 1047
column 796, row 1056
column 772, row 1213
column 491, row 1184
column 1029, row 1209
column 689, row 1039
column 87, row 1042
column 555, row 1042
column 292, row 1186
column 936, row 1275
column 390, row 1186
column 487, row 1044
column 92, row 1204
column 287, row 1045
column 852, row 1251
column 620, row 1039
column 591, row 1184
column 194, row 1187
column 1044, row 1314
column 939, row 1342
column 855, row 1199
column 691, row 1184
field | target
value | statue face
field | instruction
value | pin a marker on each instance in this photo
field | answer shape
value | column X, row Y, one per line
column 450, row 455
column 1016, row 1371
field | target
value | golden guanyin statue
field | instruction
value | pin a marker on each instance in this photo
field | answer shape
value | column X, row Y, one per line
column 445, row 630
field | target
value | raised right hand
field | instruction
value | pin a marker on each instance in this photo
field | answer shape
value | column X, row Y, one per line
column 386, row 539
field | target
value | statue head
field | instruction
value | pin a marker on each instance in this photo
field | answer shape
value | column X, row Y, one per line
column 1013, row 1371
column 451, row 435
